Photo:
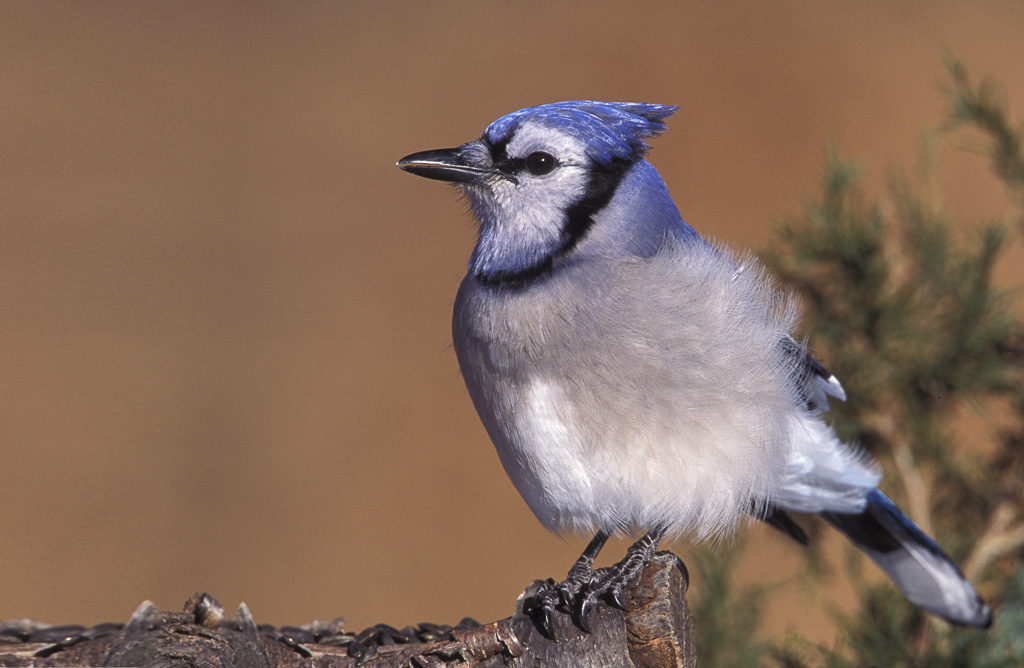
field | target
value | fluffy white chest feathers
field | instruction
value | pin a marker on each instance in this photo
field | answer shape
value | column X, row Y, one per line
column 597, row 396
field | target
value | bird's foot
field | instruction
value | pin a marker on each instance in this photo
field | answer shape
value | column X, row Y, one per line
column 541, row 604
column 566, row 595
column 584, row 586
column 610, row 583
column 551, row 594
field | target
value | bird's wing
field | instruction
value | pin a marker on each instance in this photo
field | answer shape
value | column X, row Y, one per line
column 813, row 381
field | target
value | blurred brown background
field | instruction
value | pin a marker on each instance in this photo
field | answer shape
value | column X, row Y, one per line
column 224, row 314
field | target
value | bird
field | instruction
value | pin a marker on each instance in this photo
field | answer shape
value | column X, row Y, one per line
column 638, row 378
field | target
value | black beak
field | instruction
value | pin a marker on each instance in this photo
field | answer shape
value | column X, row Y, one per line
column 444, row 164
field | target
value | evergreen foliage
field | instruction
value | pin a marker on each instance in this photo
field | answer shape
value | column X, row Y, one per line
column 901, row 305
column 725, row 614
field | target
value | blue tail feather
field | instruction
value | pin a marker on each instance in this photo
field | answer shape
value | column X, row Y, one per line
column 918, row 566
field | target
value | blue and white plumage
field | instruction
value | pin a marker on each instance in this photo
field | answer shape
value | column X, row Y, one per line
column 635, row 377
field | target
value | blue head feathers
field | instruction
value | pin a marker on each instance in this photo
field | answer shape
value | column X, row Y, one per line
column 611, row 130
column 539, row 178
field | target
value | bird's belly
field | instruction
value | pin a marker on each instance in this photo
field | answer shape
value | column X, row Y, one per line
column 580, row 464
column 535, row 434
column 603, row 426
column 544, row 453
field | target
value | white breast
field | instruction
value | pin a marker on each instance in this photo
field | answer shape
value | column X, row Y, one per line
column 619, row 406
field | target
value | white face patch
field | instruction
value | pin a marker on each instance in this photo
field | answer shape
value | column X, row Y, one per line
column 522, row 222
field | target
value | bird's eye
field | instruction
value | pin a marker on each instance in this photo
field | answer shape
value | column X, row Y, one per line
column 540, row 163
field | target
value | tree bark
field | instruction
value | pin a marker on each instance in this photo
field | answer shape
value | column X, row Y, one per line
column 655, row 630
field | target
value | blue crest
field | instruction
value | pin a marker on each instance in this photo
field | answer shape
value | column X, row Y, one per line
column 611, row 130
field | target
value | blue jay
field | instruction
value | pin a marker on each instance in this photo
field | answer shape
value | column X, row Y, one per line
column 635, row 377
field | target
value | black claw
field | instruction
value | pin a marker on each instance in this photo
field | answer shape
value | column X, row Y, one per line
column 615, row 598
column 584, row 586
column 540, row 606
column 544, row 624
column 583, row 611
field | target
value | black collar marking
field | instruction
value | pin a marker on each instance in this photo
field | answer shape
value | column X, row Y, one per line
column 579, row 218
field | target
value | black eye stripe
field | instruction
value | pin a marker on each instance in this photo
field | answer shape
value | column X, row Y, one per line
column 537, row 163
column 498, row 150
column 529, row 164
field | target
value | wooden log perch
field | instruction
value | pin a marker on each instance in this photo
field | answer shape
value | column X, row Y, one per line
column 656, row 629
